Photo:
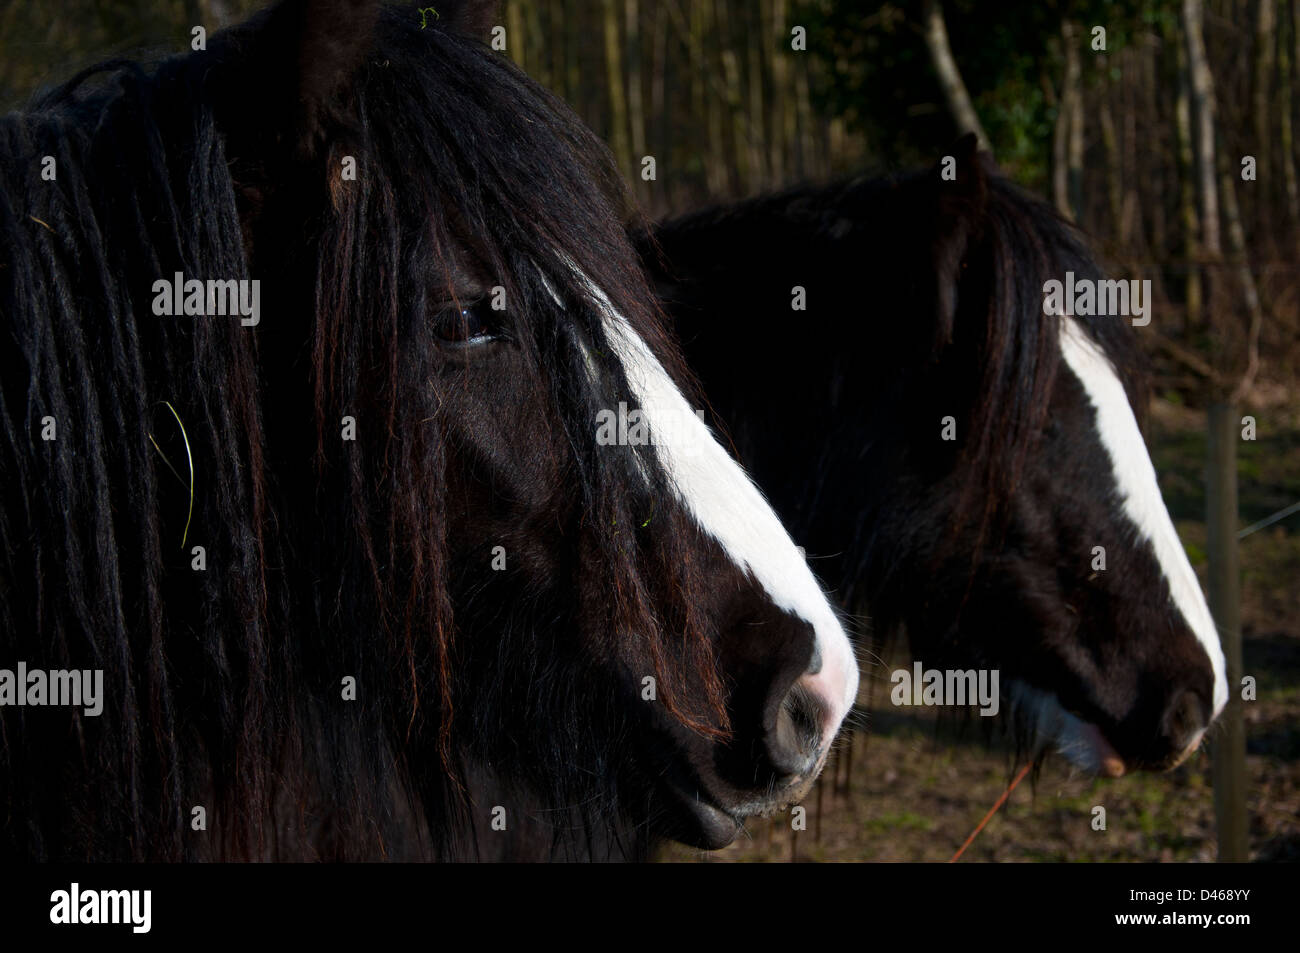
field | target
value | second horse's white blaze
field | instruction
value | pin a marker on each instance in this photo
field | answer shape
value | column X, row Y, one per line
column 1135, row 478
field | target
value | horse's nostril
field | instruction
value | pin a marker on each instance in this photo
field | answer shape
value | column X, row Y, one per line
column 1184, row 719
column 794, row 743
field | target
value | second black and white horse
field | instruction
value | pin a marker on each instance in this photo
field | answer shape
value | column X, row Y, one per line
column 962, row 466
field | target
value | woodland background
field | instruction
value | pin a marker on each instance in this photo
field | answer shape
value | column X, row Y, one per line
column 1141, row 143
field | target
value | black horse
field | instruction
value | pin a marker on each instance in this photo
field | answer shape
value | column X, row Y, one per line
column 312, row 339
column 962, row 466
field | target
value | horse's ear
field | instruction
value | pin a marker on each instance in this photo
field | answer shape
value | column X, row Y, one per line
column 334, row 37
column 961, row 182
column 288, row 75
column 285, row 90
column 471, row 17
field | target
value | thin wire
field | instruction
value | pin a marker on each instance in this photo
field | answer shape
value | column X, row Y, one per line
column 993, row 810
column 1269, row 520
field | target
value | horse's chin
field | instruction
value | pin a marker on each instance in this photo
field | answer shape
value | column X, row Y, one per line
column 710, row 826
column 716, row 828
column 1080, row 742
column 695, row 820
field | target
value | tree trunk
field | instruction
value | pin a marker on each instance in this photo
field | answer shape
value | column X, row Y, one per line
column 707, row 92
column 704, row 76
column 780, row 125
column 1221, row 490
column 560, row 40
column 660, row 113
column 1246, row 278
column 1153, row 120
column 1076, row 130
column 1203, row 113
column 805, row 158
column 1067, row 144
column 533, row 35
column 617, row 97
column 835, row 143
column 1286, row 133
column 635, row 104
column 1265, row 27
column 821, row 138
column 572, row 52
column 955, row 94
column 1129, row 163
column 740, row 139
column 515, row 33
column 757, row 112
column 1192, row 314
column 1229, row 741
column 1060, row 150
column 1114, row 190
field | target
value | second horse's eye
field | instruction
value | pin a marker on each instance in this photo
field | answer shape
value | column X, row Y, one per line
column 463, row 325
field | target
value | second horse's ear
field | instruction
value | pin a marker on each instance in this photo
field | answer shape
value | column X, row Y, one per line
column 960, row 183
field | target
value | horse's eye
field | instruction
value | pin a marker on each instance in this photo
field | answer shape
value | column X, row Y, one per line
column 466, row 324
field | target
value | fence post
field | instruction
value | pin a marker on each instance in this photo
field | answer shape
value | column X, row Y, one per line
column 1229, row 739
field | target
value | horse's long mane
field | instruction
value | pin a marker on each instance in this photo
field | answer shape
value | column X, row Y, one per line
column 1009, row 345
column 324, row 558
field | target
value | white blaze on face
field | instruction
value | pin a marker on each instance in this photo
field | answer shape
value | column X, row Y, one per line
column 718, row 493
column 1135, row 478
